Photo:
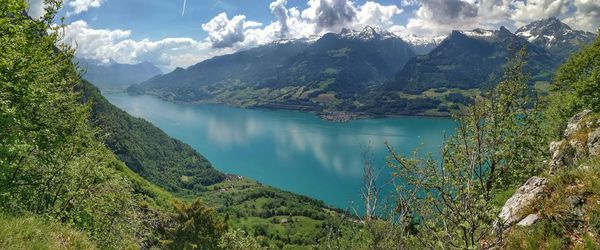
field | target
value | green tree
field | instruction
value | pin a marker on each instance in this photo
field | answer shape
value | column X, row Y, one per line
column 196, row 227
column 237, row 239
column 497, row 145
column 51, row 162
column 575, row 88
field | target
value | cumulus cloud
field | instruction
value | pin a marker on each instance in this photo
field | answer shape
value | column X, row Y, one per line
column 533, row 10
column 103, row 44
column 329, row 15
column 280, row 12
column 587, row 15
column 80, row 6
column 36, row 8
column 375, row 14
column 430, row 19
column 435, row 17
column 223, row 32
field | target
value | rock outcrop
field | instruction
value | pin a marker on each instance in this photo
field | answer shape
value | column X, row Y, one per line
column 512, row 211
column 581, row 139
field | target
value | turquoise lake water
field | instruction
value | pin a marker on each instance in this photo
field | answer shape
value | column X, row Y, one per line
column 293, row 151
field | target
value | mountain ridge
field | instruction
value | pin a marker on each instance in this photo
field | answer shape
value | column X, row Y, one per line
column 110, row 76
column 361, row 72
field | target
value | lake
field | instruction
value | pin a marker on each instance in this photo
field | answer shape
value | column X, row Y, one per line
column 290, row 150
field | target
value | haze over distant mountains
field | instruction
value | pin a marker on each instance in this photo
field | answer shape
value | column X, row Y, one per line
column 370, row 71
column 115, row 76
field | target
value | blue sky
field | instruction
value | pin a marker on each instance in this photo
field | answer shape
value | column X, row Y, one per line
column 133, row 31
column 159, row 19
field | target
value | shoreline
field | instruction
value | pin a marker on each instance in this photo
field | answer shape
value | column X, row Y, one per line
column 326, row 115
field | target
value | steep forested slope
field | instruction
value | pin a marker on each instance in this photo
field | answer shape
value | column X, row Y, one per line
column 148, row 151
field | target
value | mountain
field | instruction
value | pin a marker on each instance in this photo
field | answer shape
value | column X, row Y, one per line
column 421, row 45
column 116, row 76
column 346, row 63
column 555, row 36
column 247, row 67
column 466, row 59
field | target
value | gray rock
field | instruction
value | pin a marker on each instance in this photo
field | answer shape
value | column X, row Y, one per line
column 529, row 220
column 593, row 142
column 580, row 149
column 574, row 122
column 562, row 154
column 525, row 196
column 577, row 211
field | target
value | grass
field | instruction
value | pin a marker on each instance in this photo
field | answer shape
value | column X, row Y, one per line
column 279, row 219
column 558, row 227
column 30, row 232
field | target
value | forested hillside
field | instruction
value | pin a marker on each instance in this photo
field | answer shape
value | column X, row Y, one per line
column 147, row 150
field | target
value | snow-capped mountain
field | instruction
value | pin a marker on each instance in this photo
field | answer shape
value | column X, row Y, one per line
column 421, row 45
column 555, row 36
column 465, row 59
column 305, row 40
column 368, row 33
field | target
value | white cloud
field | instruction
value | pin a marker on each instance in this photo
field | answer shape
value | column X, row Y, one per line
column 586, row 17
column 36, row 8
column 280, row 12
column 223, row 32
column 375, row 14
column 435, row 17
column 103, row 44
column 533, row 10
column 80, row 6
column 329, row 15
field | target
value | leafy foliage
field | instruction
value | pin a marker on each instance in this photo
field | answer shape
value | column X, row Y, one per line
column 575, row 88
column 198, row 227
column 51, row 162
column 497, row 144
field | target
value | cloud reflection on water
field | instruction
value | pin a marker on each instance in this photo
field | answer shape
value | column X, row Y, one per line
column 322, row 158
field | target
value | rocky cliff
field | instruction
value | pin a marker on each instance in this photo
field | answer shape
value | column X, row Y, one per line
column 565, row 199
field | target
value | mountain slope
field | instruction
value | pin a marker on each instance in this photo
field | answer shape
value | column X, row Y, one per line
column 116, row 76
column 466, row 59
column 247, row 67
column 555, row 36
column 348, row 62
column 148, row 151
